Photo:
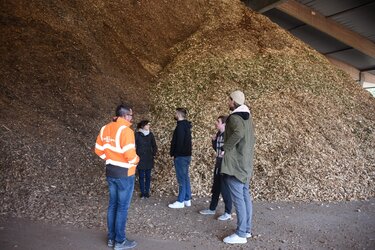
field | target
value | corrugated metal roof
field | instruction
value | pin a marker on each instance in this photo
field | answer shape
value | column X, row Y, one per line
column 356, row 15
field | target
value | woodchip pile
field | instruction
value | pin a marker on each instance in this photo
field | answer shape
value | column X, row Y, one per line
column 66, row 64
column 315, row 127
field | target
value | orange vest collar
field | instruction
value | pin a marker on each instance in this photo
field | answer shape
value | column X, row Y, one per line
column 123, row 121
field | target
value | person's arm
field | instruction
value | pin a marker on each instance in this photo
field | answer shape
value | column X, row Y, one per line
column 137, row 143
column 128, row 145
column 99, row 150
column 153, row 144
column 237, row 126
column 214, row 141
column 180, row 135
column 173, row 144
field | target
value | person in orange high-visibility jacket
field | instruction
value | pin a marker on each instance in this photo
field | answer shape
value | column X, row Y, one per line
column 116, row 145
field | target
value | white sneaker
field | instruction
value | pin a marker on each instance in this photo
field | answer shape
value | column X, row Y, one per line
column 248, row 235
column 225, row 216
column 187, row 203
column 207, row 212
column 235, row 239
column 177, row 204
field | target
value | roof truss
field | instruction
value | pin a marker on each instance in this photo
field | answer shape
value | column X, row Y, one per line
column 328, row 26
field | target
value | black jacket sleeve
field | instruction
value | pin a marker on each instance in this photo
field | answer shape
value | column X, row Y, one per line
column 153, row 145
column 214, row 141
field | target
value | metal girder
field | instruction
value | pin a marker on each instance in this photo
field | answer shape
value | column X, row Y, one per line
column 262, row 6
column 328, row 26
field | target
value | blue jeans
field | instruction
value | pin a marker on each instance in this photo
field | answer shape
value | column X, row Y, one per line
column 120, row 195
column 241, row 198
column 144, row 180
column 181, row 165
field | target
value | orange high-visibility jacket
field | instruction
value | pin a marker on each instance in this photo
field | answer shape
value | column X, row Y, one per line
column 116, row 145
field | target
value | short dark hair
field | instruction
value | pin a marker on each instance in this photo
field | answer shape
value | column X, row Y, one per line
column 122, row 110
column 223, row 118
column 142, row 124
column 182, row 111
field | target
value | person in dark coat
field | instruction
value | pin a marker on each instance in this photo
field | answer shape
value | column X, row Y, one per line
column 181, row 147
column 146, row 150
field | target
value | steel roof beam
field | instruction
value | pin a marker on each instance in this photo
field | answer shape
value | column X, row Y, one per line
column 262, row 6
column 359, row 75
column 328, row 26
column 368, row 69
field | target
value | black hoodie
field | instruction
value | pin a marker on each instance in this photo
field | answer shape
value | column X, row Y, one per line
column 181, row 141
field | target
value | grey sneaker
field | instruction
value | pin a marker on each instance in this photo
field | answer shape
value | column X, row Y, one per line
column 207, row 212
column 126, row 244
column 225, row 216
column 110, row 243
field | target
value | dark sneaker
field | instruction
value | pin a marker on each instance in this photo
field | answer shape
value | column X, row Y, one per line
column 110, row 243
column 147, row 195
column 126, row 244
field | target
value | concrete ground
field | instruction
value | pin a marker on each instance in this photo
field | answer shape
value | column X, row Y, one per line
column 26, row 234
column 277, row 225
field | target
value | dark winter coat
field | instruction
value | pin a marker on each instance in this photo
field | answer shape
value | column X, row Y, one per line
column 146, row 150
column 181, row 142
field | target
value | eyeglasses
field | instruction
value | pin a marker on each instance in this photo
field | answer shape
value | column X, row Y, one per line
column 130, row 115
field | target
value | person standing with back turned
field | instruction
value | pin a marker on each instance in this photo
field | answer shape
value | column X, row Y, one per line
column 237, row 165
column 115, row 144
column 181, row 147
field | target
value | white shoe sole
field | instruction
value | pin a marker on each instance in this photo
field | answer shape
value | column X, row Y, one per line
column 224, row 219
column 235, row 240
column 232, row 242
column 170, row 206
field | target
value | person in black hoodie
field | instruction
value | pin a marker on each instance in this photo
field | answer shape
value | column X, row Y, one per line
column 146, row 150
column 181, row 147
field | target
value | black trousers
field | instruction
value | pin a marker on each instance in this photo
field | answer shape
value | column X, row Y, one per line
column 219, row 187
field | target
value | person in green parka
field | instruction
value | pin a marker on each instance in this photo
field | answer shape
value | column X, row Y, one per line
column 237, row 165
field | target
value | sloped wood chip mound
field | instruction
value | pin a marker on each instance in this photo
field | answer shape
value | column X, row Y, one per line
column 66, row 65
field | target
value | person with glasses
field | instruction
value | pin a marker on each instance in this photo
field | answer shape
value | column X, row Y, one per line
column 116, row 145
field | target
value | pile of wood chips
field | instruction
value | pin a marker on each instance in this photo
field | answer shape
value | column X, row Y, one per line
column 68, row 64
column 315, row 127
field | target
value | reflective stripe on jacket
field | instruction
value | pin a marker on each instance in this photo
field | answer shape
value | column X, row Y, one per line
column 116, row 145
